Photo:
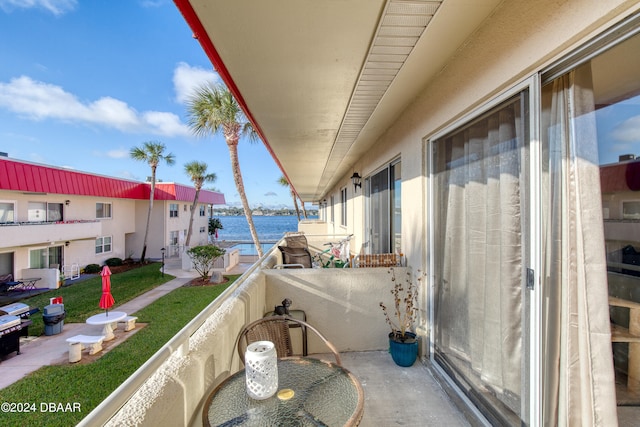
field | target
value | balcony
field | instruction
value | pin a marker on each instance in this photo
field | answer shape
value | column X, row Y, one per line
column 171, row 387
column 35, row 233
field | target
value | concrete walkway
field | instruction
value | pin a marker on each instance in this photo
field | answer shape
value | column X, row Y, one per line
column 54, row 349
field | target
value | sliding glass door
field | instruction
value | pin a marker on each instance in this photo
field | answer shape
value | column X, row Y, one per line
column 384, row 211
column 480, row 256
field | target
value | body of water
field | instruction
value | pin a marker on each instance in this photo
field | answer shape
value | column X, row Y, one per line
column 270, row 229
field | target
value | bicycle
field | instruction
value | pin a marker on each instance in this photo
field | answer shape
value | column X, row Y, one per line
column 337, row 255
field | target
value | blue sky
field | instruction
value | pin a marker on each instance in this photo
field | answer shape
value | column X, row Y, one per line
column 83, row 82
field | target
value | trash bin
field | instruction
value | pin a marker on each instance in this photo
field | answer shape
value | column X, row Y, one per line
column 53, row 318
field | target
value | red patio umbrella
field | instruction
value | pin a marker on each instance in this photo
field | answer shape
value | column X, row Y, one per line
column 106, row 300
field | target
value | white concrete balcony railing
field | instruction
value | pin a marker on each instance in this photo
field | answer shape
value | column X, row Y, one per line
column 33, row 233
column 170, row 388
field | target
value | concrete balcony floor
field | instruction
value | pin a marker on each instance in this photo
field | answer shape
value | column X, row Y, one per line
column 397, row 396
column 400, row 396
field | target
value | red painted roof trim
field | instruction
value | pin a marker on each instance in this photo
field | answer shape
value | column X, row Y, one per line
column 200, row 34
column 25, row 177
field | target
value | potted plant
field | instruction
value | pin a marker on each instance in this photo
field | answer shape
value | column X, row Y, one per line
column 61, row 280
column 403, row 343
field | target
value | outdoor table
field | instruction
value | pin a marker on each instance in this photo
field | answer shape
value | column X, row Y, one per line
column 107, row 319
column 323, row 394
column 29, row 284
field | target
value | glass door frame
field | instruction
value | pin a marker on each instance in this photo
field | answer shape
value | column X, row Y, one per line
column 531, row 399
column 389, row 169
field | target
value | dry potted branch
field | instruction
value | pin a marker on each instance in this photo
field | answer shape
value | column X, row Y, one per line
column 405, row 295
column 402, row 316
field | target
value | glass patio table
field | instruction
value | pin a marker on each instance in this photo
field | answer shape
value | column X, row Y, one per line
column 311, row 392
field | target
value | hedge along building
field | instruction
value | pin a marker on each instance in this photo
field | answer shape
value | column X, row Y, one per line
column 478, row 128
column 53, row 218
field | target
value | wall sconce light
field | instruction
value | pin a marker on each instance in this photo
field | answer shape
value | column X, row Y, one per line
column 66, row 243
column 357, row 181
column 67, row 202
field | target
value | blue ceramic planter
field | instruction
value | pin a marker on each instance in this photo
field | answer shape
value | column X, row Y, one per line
column 404, row 353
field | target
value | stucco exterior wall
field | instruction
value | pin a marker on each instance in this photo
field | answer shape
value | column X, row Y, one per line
column 80, row 229
column 346, row 302
column 520, row 39
column 162, row 225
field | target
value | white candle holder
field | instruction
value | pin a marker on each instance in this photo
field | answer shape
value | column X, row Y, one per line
column 261, row 368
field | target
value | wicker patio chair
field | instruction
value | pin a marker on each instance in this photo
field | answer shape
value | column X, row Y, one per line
column 295, row 252
column 276, row 330
column 296, row 240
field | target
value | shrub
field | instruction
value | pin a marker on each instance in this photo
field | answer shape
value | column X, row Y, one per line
column 92, row 269
column 203, row 258
column 113, row 262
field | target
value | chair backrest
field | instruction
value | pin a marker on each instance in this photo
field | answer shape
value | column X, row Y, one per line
column 296, row 241
column 295, row 257
column 276, row 330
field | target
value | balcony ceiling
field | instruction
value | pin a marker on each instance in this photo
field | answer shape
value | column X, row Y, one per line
column 323, row 79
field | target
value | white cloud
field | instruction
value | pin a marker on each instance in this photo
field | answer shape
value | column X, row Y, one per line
column 39, row 101
column 166, row 123
column 118, row 154
column 57, row 7
column 628, row 130
column 187, row 78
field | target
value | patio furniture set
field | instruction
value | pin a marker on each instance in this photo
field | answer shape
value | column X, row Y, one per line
column 296, row 254
column 8, row 284
column 309, row 391
column 109, row 321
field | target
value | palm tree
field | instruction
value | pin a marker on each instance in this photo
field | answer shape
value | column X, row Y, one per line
column 197, row 171
column 283, row 181
column 151, row 152
column 213, row 109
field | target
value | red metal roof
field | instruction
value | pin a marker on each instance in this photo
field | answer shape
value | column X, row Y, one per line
column 624, row 176
column 173, row 191
column 17, row 175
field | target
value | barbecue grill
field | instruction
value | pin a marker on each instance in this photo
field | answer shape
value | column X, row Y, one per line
column 7, row 321
column 11, row 329
column 17, row 309
column 14, row 323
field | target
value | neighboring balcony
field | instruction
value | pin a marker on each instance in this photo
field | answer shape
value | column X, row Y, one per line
column 172, row 386
column 36, row 233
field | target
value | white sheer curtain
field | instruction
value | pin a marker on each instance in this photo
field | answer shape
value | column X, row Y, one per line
column 479, row 253
column 578, row 378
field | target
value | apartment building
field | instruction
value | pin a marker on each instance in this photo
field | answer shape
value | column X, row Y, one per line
column 55, row 220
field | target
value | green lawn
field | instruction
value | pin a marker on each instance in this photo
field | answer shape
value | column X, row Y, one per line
column 87, row 385
column 81, row 299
